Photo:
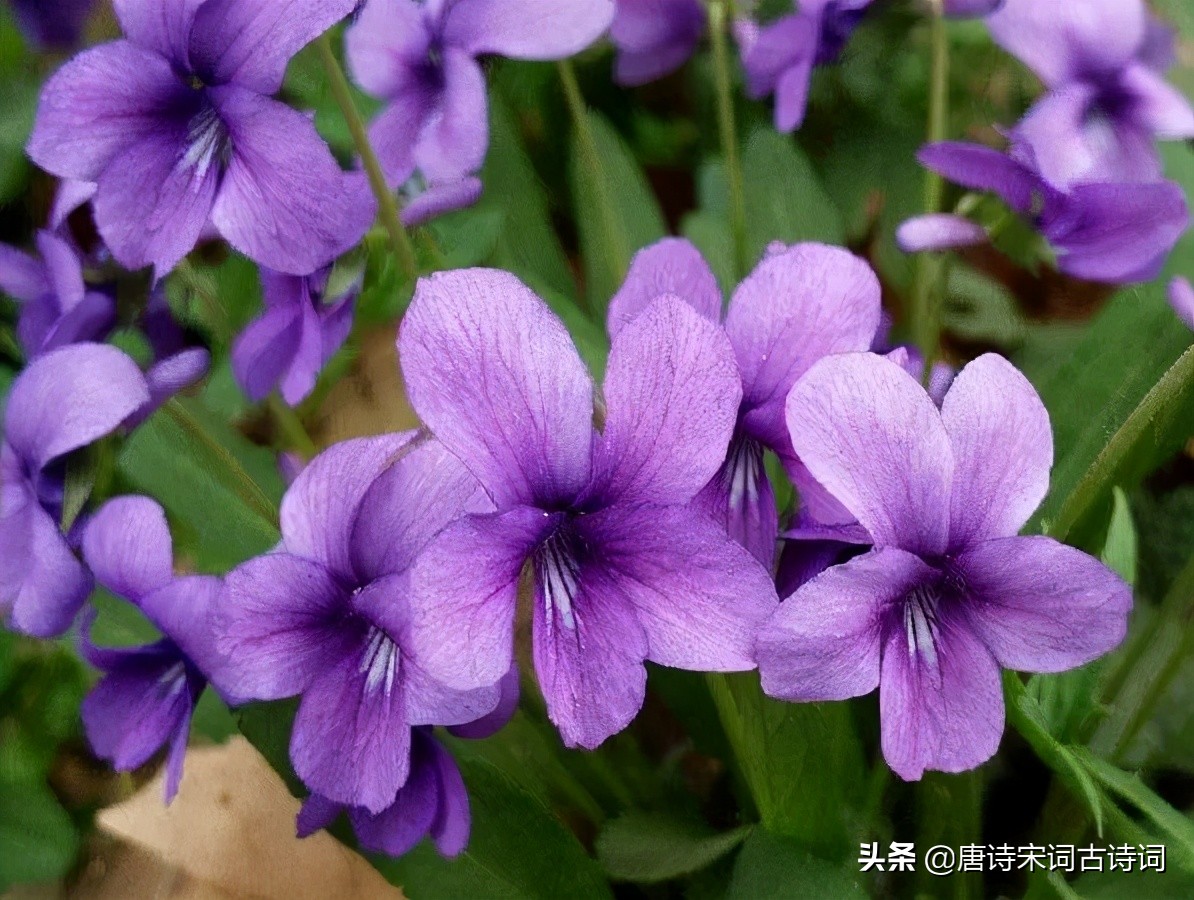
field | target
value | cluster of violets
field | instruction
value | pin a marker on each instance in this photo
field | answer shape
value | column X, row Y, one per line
column 627, row 523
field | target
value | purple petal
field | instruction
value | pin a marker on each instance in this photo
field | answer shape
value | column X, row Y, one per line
column 671, row 266
column 739, row 498
column 21, row 276
column 1159, row 106
column 793, row 309
column 128, row 547
column 699, row 596
column 494, row 374
column 387, row 47
column 71, row 195
column 53, row 24
column 983, row 169
column 407, row 505
column 266, row 350
column 790, row 42
column 175, row 374
column 527, row 29
column 250, row 42
column 800, row 561
column 1041, row 606
column 317, row 813
column 91, row 320
column 440, row 199
column 99, row 105
column 63, row 269
column 164, row 26
column 453, row 143
column 874, row 439
column 464, row 589
column 824, row 642
column 335, row 322
column 939, row 231
column 298, row 380
column 176, row 756
column 1181, row 298
column 182, row 611
column 396, row 130
column 398, row 828
column 450, row 830
column 672, row 392
column 1003, row 450
column 791, row 95
column 940, row 709
column 284, row 201
column 971, row 9
column 69, row 398
column 654, row 37
column 491, row 723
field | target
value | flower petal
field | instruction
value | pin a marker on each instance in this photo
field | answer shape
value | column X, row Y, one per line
column 387, row 47
column 654, row 37
column 1041, row 606
column 452, row 144
column 63, row 268
column 450, row 830
column 183, row 611
column 939, row 231
column 1003, row 450
column 1181, row 298
column 42, row 585
column 824, row 642
column 672, row 391
column 739, row 498
column 164, row 26
column 796, row 307
column 395, row 132
column 509, row 692
column 21, row 276
column 265, row 350
column 128, row 547
column 495, row 375
column 874, row 439
column 527, row 29
column 1159, row 106
column 398, row 829
column 983, row 169
column 672, row 266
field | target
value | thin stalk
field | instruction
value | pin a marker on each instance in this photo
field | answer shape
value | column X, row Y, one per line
column 217, row 315
column 926, row 307
column 720, row 17
column 404, row 250
column 291, row 427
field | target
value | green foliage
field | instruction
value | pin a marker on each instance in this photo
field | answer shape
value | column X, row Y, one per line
column 648, row 848
column 771, row 867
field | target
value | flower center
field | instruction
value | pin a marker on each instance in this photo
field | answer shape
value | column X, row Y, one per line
column 921, row 625
column 744, row 471
column 173, row 680
column 208, row 143
column 379, row 662
column 557, row 575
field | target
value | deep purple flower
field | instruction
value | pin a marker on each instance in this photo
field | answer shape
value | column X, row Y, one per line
column 801, row 303
column 62, row 402
column 778, row 58
column 421, row 58
column 146, row 697
column 288, row 345
column 1181, row 298
column 177, row 127
column 56, row 24
column 949, row 593
column 325, row 616
column 57, row 307
column 623, row 570
column 654, row 37
column 1103, row 62
column 1116, row 233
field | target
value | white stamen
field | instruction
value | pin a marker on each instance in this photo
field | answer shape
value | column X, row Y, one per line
column 920, row 623
column 557, row 572
column 207, row 143
column 379, row 663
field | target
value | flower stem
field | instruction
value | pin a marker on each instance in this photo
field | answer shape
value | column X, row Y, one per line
column 291, row 427
column 926, row 308
column 720, row 18
column 404, row 250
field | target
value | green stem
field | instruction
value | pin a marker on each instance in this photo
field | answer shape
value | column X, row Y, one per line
column 241, row 482
column 720, row 16
column 215, row 313
column 404, row 250
column 926, row 310
column 291, row 427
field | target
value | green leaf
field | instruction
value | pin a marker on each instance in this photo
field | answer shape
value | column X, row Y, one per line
column 39, row 840
column 1150, row 885
column 771, row 867
column 268, row 727
column 517, row 849
column 1120, row 548
column 647, row 848
column 801, row 761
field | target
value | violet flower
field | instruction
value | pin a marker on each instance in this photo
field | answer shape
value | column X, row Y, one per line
column 57, row 307
column 654, row 37
column 623, row 570
column 421, row 58
column 177, row 127
column 801, row 303
column 147, row 695
column 53, row 24
column 949, row 593
column 1107, row 100
column 65, row 400
column 1117, row 233
column 325, row 616
column 299, row 332
column 1181, row 298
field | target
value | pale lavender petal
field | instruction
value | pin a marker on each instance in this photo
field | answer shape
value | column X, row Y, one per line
column 495, row 375
column 42, row 585
column 793, row 309
column 91, row 320
column 63, row 269
column 939, row 231
column 21, row 276
column 825, row 641
column 869, row 433
column 1003, row 450
column 450, row 830
column 941, row 706
column 71, row 195
column 1159, row 106
column 298, row 380
column 284, row 202
column 387, row 47
column 453, row 143
column 182, row 611
column 509, row 692
column 1041, row 606
column 440, row 199
column 396, row 130
column 128, row 547
column 163, row 26
column 791, row 95
column 1181, row 298
column 699, row 596
column 768, row 53
column 672, row 266
column 527, row 29
column 654, row 37
column 672, row 392
column 175, row 374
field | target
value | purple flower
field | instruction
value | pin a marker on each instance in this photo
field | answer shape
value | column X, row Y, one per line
column 56, row 24
column 326, row 617
column 778, row 58
column 176, row 126
column 57, row 308
column 949, row 593
column 63, row 401
column 294, row 338
column 654, row 37
column 1103, row 62
column 421, row 58
column 146, row 697
column 971, row 9
column 801, row 303
column 623, row 570
column 1116, row 233
column 1181, row 298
